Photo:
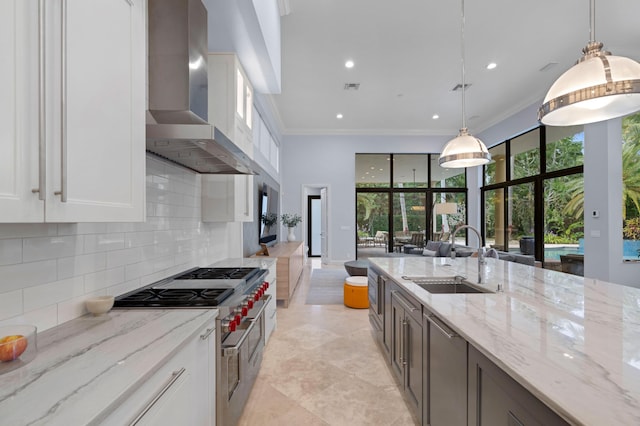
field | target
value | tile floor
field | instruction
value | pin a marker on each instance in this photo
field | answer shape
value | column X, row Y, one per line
column 322, row 367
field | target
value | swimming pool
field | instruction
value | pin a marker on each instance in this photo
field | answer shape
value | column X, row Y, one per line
column 553, row 253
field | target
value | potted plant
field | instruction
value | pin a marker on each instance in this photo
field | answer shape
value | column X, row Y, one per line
column 268, row 219
column 290, row 221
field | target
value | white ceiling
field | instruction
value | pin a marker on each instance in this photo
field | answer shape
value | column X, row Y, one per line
column 407, row 60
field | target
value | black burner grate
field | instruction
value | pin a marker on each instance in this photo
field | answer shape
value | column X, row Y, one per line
column 218, row 274
column 170, row 297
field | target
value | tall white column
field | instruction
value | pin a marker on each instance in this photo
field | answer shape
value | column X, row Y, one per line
column 603, row 200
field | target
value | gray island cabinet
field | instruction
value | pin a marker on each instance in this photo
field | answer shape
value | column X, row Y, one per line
column 406, row 350
column 502, row 357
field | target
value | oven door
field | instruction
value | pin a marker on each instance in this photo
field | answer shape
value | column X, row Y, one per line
column 241, row 356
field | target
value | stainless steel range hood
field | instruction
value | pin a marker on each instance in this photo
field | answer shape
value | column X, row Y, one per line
column 177, row 127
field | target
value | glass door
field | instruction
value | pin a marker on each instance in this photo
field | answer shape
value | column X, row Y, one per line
column 372, row 223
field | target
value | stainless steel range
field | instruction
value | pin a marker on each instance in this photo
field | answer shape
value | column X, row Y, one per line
column 238, row 293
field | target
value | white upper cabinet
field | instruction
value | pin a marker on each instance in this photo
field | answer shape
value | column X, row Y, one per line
column 231, row 100
column 20, row 116
column 73, row 116
column 227, row 198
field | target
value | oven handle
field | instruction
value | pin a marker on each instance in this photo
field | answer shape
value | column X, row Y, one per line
column 233, row 350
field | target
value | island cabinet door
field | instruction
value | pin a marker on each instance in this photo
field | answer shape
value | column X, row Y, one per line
column 414, row 362
column 447, row 374
column 387, row 329
column 406, row 359
column 496, row 399
column 397, row 346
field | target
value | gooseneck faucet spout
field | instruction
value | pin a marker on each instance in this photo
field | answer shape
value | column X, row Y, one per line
column 481, row 260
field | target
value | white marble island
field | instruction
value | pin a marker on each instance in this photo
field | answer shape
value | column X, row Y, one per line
column 572, row 342
column 88, row 366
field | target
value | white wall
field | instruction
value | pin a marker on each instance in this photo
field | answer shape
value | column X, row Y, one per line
column 330, row 161
column 48, row 270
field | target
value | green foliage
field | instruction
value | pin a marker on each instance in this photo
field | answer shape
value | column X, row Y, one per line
column 558, row 239
column 290, row 220
column 269, row 218
column 631, row 229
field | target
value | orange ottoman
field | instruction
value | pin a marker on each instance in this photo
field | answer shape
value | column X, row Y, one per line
column 356, row 291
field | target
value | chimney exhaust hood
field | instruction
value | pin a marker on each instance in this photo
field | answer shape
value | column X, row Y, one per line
column 177, row 127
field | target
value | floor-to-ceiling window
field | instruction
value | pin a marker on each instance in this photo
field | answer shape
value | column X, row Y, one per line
column 402, row 196
column 532, row 193
column 631, row 187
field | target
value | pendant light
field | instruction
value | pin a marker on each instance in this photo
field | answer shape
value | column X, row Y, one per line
column 465, row 150
column 598, row 87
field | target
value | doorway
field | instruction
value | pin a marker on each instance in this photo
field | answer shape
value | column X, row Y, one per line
column 314, row 225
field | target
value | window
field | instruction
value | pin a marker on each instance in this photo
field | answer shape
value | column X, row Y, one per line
column 410, row 171
column 563, row 216
column 565, row 147
column 411, row 182
column 494, row 223
column 631, row 186
column 373, row 170
column 533, row 206
column 525, row 155
column 520, row 218
column 496, row 170
column 446, row 178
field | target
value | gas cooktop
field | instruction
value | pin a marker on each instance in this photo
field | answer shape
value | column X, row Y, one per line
column 218, row 274
column 197, row 287
column 174, row 297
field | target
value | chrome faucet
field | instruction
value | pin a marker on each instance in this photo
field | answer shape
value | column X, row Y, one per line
column 481, row 260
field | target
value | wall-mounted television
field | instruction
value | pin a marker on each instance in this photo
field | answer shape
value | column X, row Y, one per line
column 267, row 203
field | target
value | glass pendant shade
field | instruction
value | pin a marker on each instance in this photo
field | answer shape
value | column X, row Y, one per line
column 599, row 87
column 465, row 150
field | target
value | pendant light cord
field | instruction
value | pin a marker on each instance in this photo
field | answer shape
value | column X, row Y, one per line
column 592, row 21
column 464, row 124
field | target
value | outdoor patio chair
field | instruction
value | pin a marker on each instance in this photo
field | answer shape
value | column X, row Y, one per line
column 381, row 238
column 417, row 239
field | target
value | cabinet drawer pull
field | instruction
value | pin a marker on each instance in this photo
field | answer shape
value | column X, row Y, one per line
column 404, row 301
column 41, row 111
column 63, row 110
column 130, row 2
column 513, row 420
column 246, row 196
column 207, row 333
column 443, row 328
column 405, row 342
column 174, row 376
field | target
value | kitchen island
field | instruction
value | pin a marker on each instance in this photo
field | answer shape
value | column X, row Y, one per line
column 572, row 342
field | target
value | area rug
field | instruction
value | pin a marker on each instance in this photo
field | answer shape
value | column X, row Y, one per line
column 326, row 287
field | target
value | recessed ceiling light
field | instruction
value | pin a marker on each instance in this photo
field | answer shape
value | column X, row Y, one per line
column 491, row 65
column 349, row 64
column 339, row 116
column 435, row 116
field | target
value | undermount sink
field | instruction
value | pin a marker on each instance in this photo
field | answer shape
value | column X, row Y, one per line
column 448, row 285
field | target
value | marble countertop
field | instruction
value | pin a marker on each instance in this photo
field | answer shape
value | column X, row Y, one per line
column 573, row 342
column 248, row 262
column 85, row 366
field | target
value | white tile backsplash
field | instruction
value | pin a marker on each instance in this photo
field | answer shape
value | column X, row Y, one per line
column 47, row 271
column 42, row 295
column 11, row 303
column 10, row 251
column 51, row 247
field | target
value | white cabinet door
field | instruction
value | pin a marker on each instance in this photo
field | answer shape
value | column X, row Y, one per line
column 20, row 31
column 231, row 100
column 95, row 102
column 227, row 198
column 181, row 392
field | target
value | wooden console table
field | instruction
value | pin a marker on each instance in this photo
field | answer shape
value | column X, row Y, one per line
column 289, row 266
